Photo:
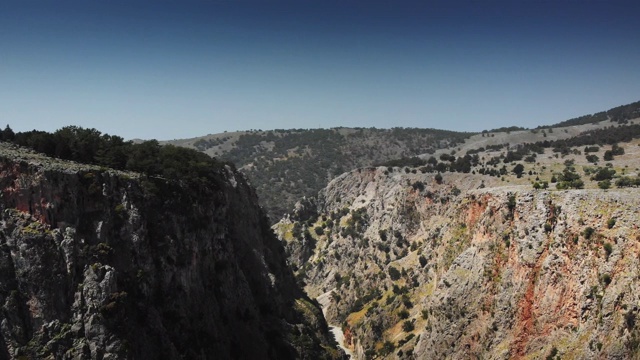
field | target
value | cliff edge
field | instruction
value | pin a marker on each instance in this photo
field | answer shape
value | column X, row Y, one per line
column 463, row 267
column 103, row 264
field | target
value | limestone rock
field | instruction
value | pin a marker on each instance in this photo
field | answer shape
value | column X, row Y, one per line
column 460, row 270
column 101, row 264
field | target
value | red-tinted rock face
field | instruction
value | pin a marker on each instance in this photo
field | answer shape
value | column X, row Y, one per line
column 499, row 273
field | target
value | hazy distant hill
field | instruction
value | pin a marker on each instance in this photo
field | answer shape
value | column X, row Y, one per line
column 285, row 165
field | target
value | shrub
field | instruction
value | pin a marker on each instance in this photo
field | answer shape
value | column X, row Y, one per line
column 552, row 354
column 390, row 299
column 608, row 248
column 425, row 314
column 626, row 181
column 403, row 314
column 608, row 155
column 617, row 150
column 422, row 260
column 518, row 170
column 319, row 231
column 588, row 232
column 408, row 326
column 407, row 302
column 611, row 223
column 418, row 185
column 603, row 174
column 511, row 203
column 592, row 158
column 394, row 274
column 387, row 348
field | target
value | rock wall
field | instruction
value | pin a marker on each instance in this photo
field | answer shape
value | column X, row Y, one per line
column 459, row 270
column 99, row 264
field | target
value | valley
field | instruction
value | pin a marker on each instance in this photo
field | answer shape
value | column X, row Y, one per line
column 507, row 244
column 540, row 262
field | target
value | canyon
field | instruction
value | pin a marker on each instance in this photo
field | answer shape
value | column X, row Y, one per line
column 470, row 267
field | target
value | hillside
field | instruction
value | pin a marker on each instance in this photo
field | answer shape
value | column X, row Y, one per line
column 493, row 272
column 286, row 165
column 105, row 264
column 527, row 250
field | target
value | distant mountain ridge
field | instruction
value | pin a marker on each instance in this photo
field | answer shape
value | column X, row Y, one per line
column 620, row 114
column 286, row 165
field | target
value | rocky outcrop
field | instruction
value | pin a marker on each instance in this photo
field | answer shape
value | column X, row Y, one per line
column 100, row 264
column 463, row 269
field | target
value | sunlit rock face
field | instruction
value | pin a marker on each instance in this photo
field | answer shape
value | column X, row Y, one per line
column 462, row 269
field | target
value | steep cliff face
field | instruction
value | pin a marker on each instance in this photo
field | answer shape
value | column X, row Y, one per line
column 467, row 269
column 102, row 264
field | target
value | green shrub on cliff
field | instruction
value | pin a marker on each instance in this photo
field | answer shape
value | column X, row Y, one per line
column 90, row 146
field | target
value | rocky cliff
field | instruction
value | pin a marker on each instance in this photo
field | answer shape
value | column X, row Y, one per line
column 100, row 264
column 467, row 268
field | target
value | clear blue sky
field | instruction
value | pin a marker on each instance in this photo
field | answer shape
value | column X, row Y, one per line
column 175, row 69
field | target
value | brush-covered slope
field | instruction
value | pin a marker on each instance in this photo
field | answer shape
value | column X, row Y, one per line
column 471, row 267
column 285, row 165
column 104, row 264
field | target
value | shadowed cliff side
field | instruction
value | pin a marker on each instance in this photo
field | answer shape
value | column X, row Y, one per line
column 101, row 264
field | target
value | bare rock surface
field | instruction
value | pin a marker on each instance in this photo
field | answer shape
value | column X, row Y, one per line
column 100, row 264
column 468, row 269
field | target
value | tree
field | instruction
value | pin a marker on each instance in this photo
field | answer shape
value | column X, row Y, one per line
column 518, row 170
column 144, row 157
column 588, row 232
column 394, row 274
column 408, row 326
column 604, row 174
column 608, row 155
column 617, row 150
column 438, row 178
column 592, row 158
column 422, row 260
column 7, row 134
column 387, row 348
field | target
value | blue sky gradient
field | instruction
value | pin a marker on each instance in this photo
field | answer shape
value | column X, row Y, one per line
column 176, row 69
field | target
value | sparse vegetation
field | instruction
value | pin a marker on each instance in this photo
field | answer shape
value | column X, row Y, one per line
column 588, row 232
column 394, row 274
column 408, row 326
column 286, row 165
column 90, row 146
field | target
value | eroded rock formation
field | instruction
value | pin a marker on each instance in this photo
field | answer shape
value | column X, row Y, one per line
column 99, row 264
column 462, row 270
